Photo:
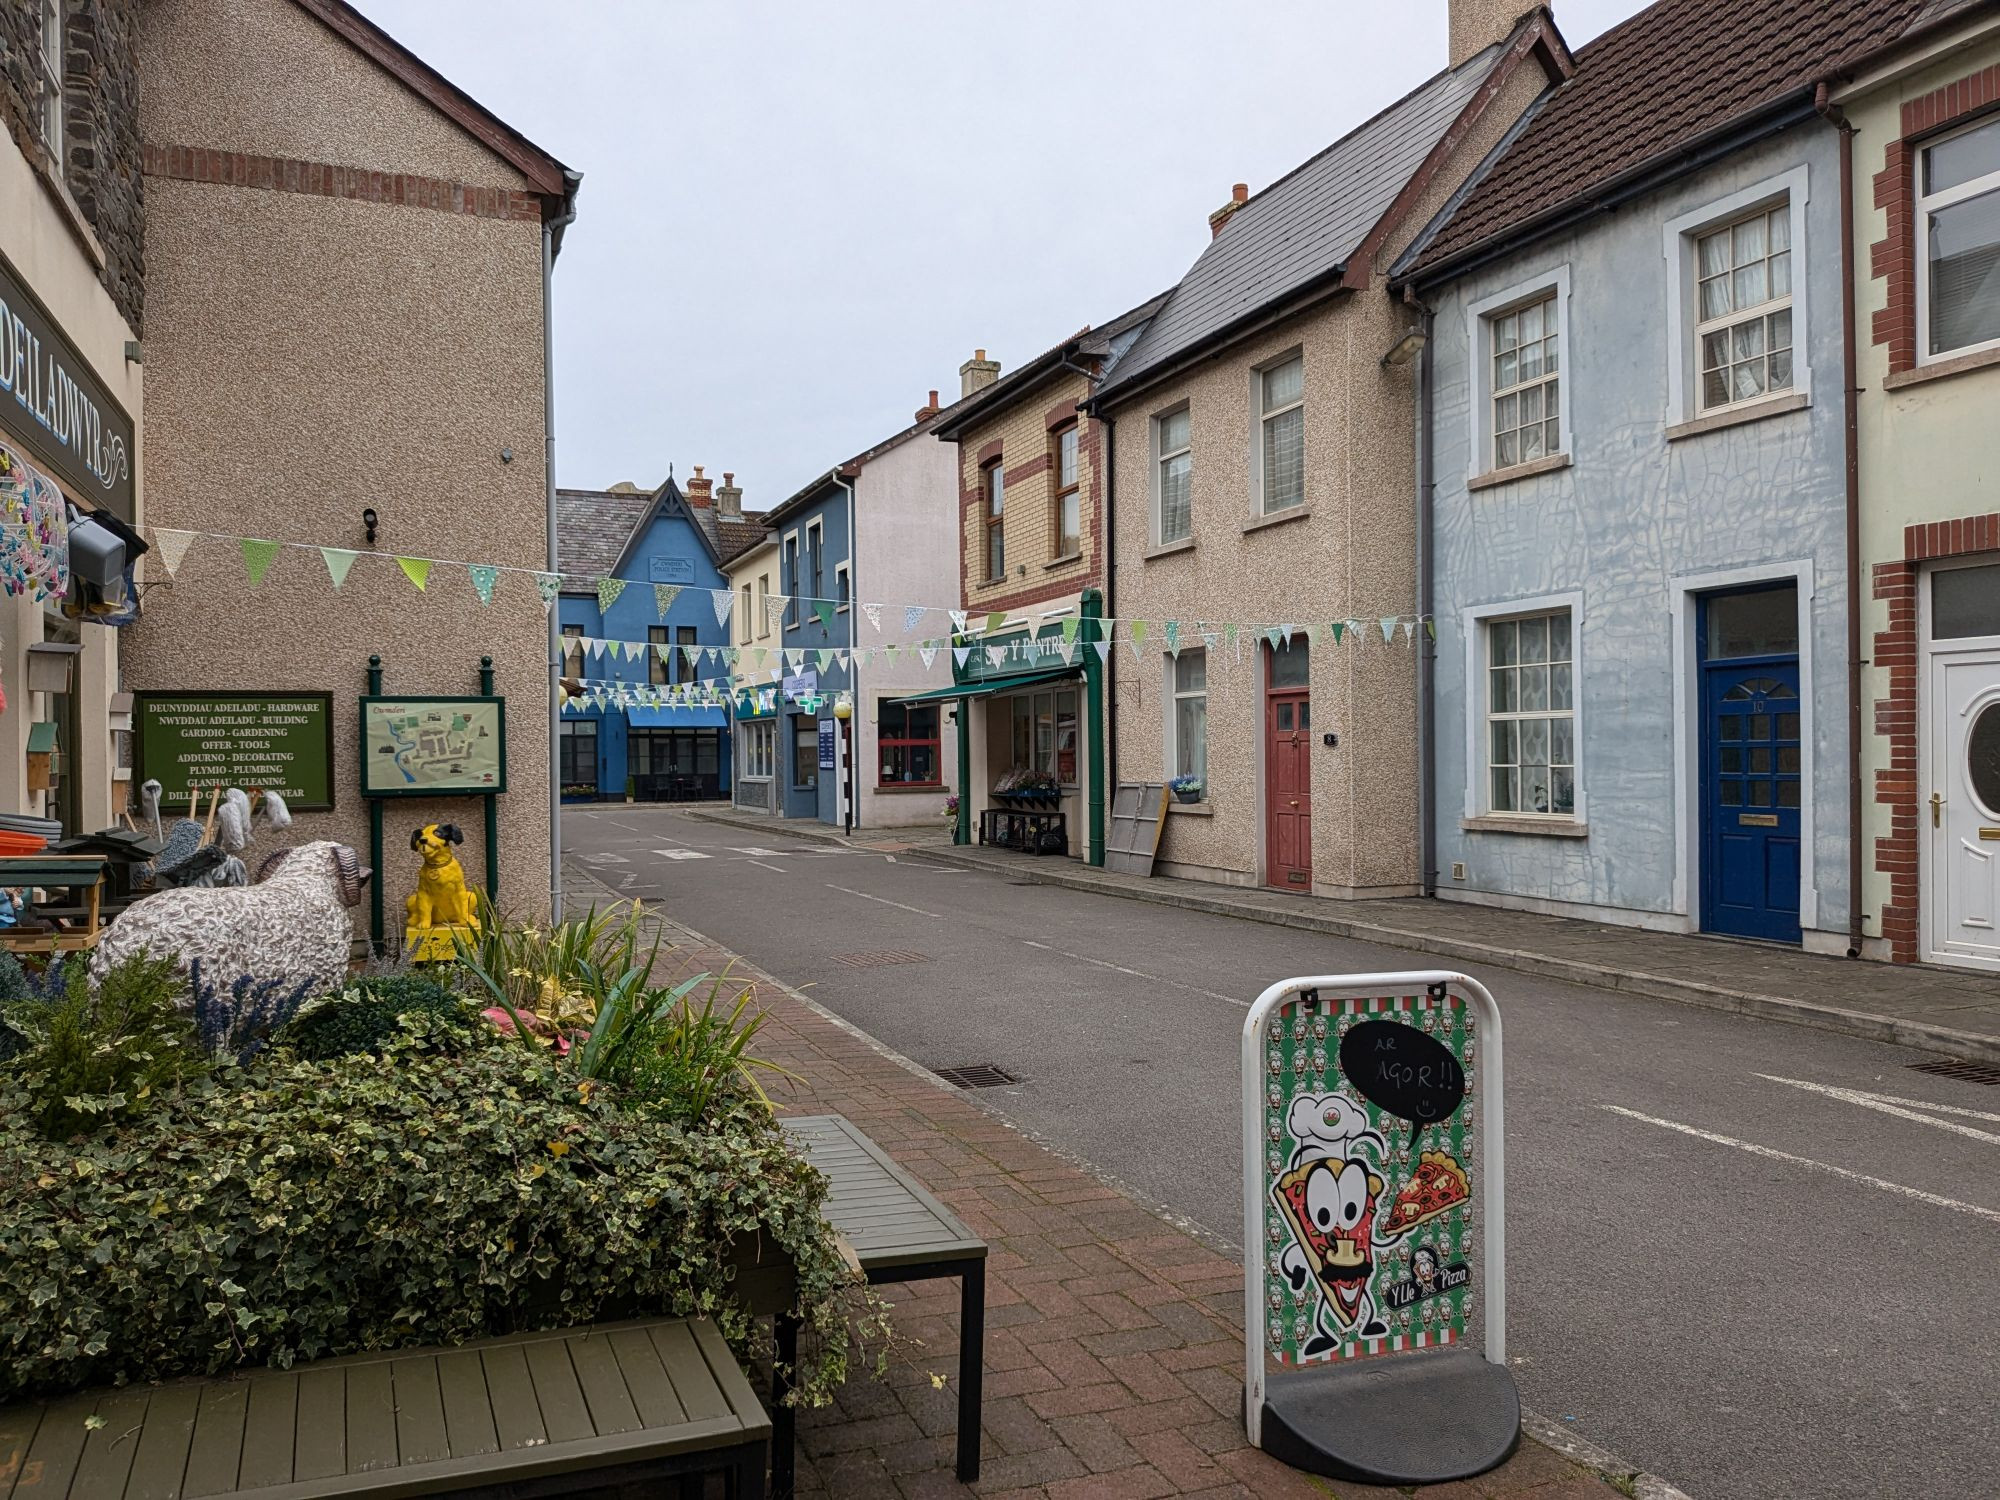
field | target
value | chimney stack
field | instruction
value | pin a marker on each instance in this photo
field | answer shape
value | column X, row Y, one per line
column 700, row 491
column 1479, row 24
column 1239, row 195
column 929, row 409
column 977, row 373
column 729, row 498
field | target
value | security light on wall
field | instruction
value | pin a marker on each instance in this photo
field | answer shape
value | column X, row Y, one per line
column 1408, row 347
column 369, row 520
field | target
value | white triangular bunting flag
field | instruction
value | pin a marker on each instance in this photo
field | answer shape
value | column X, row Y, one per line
column 1388, row 628
column 960, row 653
column 913, row 616
column 874, row 613
column 338, row 561
column 1409, row 629
column 725, row 600
column 928, row 654
column 957, row 620
column 1103, row 650
column 172, row 544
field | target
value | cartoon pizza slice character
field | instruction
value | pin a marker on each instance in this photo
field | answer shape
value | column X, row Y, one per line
column 1438, row 1186
column 1329, row 1202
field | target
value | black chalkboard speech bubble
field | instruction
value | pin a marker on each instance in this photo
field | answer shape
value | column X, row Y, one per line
column 1400, row 1069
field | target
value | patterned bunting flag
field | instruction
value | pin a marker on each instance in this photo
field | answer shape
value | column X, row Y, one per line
column 257, row 557
column 1409, row 627
column 1388, row 628
column 1172, row 631
column 1231, row 632
column 664, row 595
column 608, row 590
column 927, row 653
column 548, row 585
column 1210, row 639
column 725, row 600
column 1354, row 629
column 338, row 561
column 171, row 543
column 1276, row 637
column 874, row 613
column 484, row 576
column 957, row 620
column 774, row 610
column 692, row 656
column 913, row 616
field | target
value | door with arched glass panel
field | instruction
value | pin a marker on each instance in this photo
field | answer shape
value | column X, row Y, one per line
column 1960, row 810
column 1752, row 764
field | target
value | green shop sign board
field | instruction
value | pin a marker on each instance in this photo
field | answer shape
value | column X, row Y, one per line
column 279, row 742
column 433, row 747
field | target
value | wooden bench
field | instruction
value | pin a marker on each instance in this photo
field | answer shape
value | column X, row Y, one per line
column 535, row 1414
column 898, row 1232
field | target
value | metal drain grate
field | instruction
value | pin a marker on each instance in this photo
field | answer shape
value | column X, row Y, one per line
column 977, row 1076
column 1964, row 1072
column 879, row 960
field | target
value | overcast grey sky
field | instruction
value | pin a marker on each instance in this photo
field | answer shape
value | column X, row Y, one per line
column 797, row 218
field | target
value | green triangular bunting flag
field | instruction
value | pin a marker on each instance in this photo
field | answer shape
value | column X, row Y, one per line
column 664, row 595
column 608, row 590
column 484, row 576
column 416, row 569
column 823, row 612
column 257, row 558
column 338, row 561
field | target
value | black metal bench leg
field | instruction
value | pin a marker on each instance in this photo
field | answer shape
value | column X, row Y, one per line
column 784, row 1423
column 749, row 1476
column 971, row 1366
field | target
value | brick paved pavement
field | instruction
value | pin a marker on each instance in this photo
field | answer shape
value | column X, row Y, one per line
column 1114, row 1355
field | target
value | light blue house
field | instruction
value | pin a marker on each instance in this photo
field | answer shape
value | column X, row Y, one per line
column 814, row 531
column 1633, row 474
column 656, row 639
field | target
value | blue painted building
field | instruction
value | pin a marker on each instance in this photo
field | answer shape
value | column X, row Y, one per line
column 664, row 547
column 1638, row 705
column 814, row 535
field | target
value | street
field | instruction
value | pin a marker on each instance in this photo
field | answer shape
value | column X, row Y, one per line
column 1751, row 1258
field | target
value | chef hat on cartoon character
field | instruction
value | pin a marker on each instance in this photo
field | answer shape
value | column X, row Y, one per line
column 1326, row 1121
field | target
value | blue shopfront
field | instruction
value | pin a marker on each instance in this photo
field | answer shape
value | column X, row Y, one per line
column 813, row 530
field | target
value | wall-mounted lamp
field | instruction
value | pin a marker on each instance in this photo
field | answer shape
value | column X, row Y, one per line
column 369, row 519
column 1408, row 347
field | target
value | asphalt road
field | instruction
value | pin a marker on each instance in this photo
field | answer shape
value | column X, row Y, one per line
column 1758, row 1260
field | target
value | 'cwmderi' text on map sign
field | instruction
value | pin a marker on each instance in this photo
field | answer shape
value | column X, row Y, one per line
column 279, row 742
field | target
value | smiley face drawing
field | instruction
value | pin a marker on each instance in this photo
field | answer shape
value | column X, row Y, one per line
column 1328, row 1201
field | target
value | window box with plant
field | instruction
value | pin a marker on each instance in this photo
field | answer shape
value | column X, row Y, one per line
column 1186, row 788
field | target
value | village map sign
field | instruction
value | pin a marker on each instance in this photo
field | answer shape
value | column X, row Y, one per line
column 433, row 747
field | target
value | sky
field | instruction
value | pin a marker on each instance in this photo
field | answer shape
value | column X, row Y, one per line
column 797, row 219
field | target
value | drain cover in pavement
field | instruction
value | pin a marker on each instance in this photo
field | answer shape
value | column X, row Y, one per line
column 1964, row 1072
column 878, row 960
column 977, row 1076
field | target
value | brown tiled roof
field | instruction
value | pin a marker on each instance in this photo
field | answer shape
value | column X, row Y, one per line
column 738, row 537
column 1652, row 87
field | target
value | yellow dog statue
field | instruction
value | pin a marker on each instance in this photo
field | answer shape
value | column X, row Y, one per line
column 440, row 899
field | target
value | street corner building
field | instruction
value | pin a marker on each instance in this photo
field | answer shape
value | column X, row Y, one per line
column 72, row 308
column 645, row 713
column 1265, row 524
column 1031, row 544
column 347, row 265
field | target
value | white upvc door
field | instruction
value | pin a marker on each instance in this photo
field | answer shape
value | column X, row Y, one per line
column 1960, row 812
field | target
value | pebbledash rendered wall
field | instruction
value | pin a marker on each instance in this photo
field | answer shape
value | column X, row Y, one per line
column 312, row 356
column 1623, row 534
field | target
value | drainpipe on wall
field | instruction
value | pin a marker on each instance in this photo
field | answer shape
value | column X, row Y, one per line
column 852, row 791
column 1091, row 607
column 1110, row 662
column 1851, row 391
column 550, row 230
column 1426, row 592
column 1100, row 678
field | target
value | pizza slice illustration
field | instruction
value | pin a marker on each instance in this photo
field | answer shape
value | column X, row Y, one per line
column 1329, row 1204
column 1438, row 1185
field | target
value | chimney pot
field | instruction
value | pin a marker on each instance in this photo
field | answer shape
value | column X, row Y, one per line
column 727, row 477
column 700, row 491
column 729, row 499
column 1240, row 193
column 977, row 373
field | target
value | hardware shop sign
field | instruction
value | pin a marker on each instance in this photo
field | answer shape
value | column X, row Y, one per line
column 56, row 408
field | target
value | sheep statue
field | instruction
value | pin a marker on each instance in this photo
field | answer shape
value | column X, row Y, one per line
column 291, row 926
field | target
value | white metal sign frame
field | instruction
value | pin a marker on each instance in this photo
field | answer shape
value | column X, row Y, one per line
column 1492, row 1123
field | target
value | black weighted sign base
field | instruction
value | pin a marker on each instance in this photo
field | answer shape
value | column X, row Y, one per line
column 1414, row 1419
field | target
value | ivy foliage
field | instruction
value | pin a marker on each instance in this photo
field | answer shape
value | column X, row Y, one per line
column 290, row 1210
column 366, row 1016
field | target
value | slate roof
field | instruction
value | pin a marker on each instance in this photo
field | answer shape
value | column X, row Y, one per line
column 593, row 527
column 1303, row 228
column 1087, row 340
column 1650, row 89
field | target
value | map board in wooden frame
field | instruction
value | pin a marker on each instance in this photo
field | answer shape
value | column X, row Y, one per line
column 433, row 747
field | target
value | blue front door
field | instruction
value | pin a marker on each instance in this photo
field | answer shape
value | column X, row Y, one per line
column 1750, row 795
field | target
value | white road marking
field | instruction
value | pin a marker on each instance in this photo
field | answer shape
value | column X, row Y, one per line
column 940, row 916
column 1033, row 944
column 681, row 854
column 1935, row 1200
column 760, row 853
column 774, row 869
column 1942, row 1109
column 1887, row 1105
column 601, row 858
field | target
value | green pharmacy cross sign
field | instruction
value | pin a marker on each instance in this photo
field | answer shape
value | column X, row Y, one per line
column 1374, row 1228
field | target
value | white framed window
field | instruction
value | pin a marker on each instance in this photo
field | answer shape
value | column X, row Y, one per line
column 840, row 600
column 816, row 561
column 1958, row 243
column 763, row 606
column 743, row 618
column 993, row 482
column 1529, row 687
column 788, row 580
column 759, row 752
column 1066, row 530
column 1281, row 435
column 1732, row 269
column 1173, row 476
column 1521, row 402
column 50, row 61
column 1187, row 716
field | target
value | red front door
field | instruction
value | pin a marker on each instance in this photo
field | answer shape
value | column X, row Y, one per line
column 1288, row 789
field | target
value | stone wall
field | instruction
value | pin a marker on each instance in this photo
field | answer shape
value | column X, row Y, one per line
column 101, row 168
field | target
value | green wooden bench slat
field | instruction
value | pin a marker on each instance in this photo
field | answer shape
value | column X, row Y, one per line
column 889, row 1217
column 730, row 1384
column 159, row 1466
column 57, row 1446
column 215, row 1457
column 468, row 1408
column 611, row 1408
column 420, row 1434
column 320, row 1449
column 646, row 1378
column 107, row 1450
column 693, row 1380
column 517, row 1415
column 17, row 1435
column 269, row 1430
column 564, row 1412
column 371, row 1418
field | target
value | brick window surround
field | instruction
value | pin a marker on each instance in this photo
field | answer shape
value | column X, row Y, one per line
column 1894, row 259
column 1897, row 853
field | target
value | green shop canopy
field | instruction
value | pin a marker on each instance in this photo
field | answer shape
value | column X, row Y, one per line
column 987, row 687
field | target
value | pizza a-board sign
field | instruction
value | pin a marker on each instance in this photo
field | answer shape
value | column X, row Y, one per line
column 1374, row 1228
